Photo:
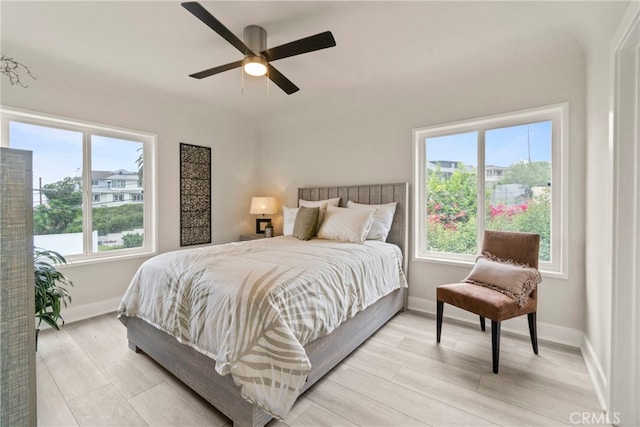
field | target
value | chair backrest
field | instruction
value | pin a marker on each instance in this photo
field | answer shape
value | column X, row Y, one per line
column 520, row 247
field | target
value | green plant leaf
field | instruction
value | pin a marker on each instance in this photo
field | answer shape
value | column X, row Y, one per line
column 49, row 287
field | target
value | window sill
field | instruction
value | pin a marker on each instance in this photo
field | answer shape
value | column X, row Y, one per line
column 84, row 261
column 550, row 274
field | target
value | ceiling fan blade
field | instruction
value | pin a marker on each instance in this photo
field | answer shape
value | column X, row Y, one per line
column 202, row 14
column 279, row 79
column 298, row 47
column 216, row 70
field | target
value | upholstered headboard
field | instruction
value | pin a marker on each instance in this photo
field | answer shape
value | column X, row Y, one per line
column 372, row 194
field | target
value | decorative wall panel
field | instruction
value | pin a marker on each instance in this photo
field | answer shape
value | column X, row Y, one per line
column 195, row 195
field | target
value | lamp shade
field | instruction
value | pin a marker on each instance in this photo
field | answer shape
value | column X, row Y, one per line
column 263, row 205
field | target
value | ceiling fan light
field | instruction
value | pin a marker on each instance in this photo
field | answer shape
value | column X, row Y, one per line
column 255, row 66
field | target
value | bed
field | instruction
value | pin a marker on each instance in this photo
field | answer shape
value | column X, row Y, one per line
column 194, row 367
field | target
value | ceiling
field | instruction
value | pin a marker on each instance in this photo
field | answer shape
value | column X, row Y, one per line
column 154, row 45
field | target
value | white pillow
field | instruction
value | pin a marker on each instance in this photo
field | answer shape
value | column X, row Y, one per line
column 346, row 225
column 322, row 204
column 382, row 221
column 289, row 220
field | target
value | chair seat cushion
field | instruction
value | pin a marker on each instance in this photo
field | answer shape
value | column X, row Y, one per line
column 483, row 301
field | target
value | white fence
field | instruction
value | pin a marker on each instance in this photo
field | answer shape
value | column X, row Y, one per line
column 66, row 244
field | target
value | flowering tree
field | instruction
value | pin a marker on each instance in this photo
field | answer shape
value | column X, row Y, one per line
column 533, row 216
column 452, row 209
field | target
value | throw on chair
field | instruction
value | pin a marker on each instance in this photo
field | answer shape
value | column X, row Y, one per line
column 501, row 286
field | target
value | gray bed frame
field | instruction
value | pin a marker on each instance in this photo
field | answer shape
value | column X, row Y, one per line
column 196, row 370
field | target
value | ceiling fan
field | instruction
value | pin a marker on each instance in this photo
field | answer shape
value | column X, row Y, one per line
column 257, row 57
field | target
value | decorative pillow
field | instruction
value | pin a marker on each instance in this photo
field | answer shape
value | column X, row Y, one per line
column 505, row 276
column 289, row 220
column 382, row 221
column 347, row 225
column 318, row 203
column 322, row 204
column 306, row 223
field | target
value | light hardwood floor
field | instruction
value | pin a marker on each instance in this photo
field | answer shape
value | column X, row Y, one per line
column 87, row 376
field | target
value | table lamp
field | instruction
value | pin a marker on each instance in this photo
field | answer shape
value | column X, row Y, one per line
column 262, row 206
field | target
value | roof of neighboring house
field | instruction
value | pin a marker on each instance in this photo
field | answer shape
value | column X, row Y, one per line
column 101, row 174
column 127, row 177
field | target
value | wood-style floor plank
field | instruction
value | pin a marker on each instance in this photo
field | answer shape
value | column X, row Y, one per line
column 430, row 411
column 52, row 408
column 105, row 407
column 491, row 409
column 69, row 365
column 355, row 407
column 317, row 416
column 162, row 405
column 87, row 375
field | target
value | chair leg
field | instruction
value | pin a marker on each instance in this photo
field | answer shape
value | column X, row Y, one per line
column 482, row 326
column 533, row 331
column 495, row 344
column 440, row 310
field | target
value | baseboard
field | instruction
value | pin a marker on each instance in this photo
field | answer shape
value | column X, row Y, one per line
column 594, row 367
column 75, row 313
column 519, row 326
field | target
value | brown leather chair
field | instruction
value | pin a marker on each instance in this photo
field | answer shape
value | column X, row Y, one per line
column 487, row 303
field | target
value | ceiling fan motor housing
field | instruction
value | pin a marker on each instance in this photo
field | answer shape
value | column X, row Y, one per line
column 255, row 37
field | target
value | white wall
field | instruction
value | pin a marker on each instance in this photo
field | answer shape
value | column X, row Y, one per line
column 366, row 137
column 98, row 287
column 599, row 211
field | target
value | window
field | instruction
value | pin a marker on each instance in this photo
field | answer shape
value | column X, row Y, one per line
column 505, row 172
column 76, row 166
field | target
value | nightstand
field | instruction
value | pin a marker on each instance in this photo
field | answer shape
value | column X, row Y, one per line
column 245, row 237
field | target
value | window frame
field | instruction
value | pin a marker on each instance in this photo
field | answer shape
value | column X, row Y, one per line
column 559, row 115
column 88, row 129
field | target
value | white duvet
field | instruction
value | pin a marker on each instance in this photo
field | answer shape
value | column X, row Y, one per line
column 252, row 306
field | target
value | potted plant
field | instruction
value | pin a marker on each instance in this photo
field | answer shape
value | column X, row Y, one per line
column 50, row 291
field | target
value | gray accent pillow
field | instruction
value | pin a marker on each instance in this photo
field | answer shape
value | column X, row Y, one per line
column 306, row 223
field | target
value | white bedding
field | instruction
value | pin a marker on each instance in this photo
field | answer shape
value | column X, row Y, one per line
column 252, row 306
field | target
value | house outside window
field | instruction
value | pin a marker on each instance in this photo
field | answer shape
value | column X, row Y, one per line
column 522, row 186
column 80, row 224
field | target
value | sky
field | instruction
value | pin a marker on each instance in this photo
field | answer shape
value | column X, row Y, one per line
column 503, row 146
column 57, row 153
